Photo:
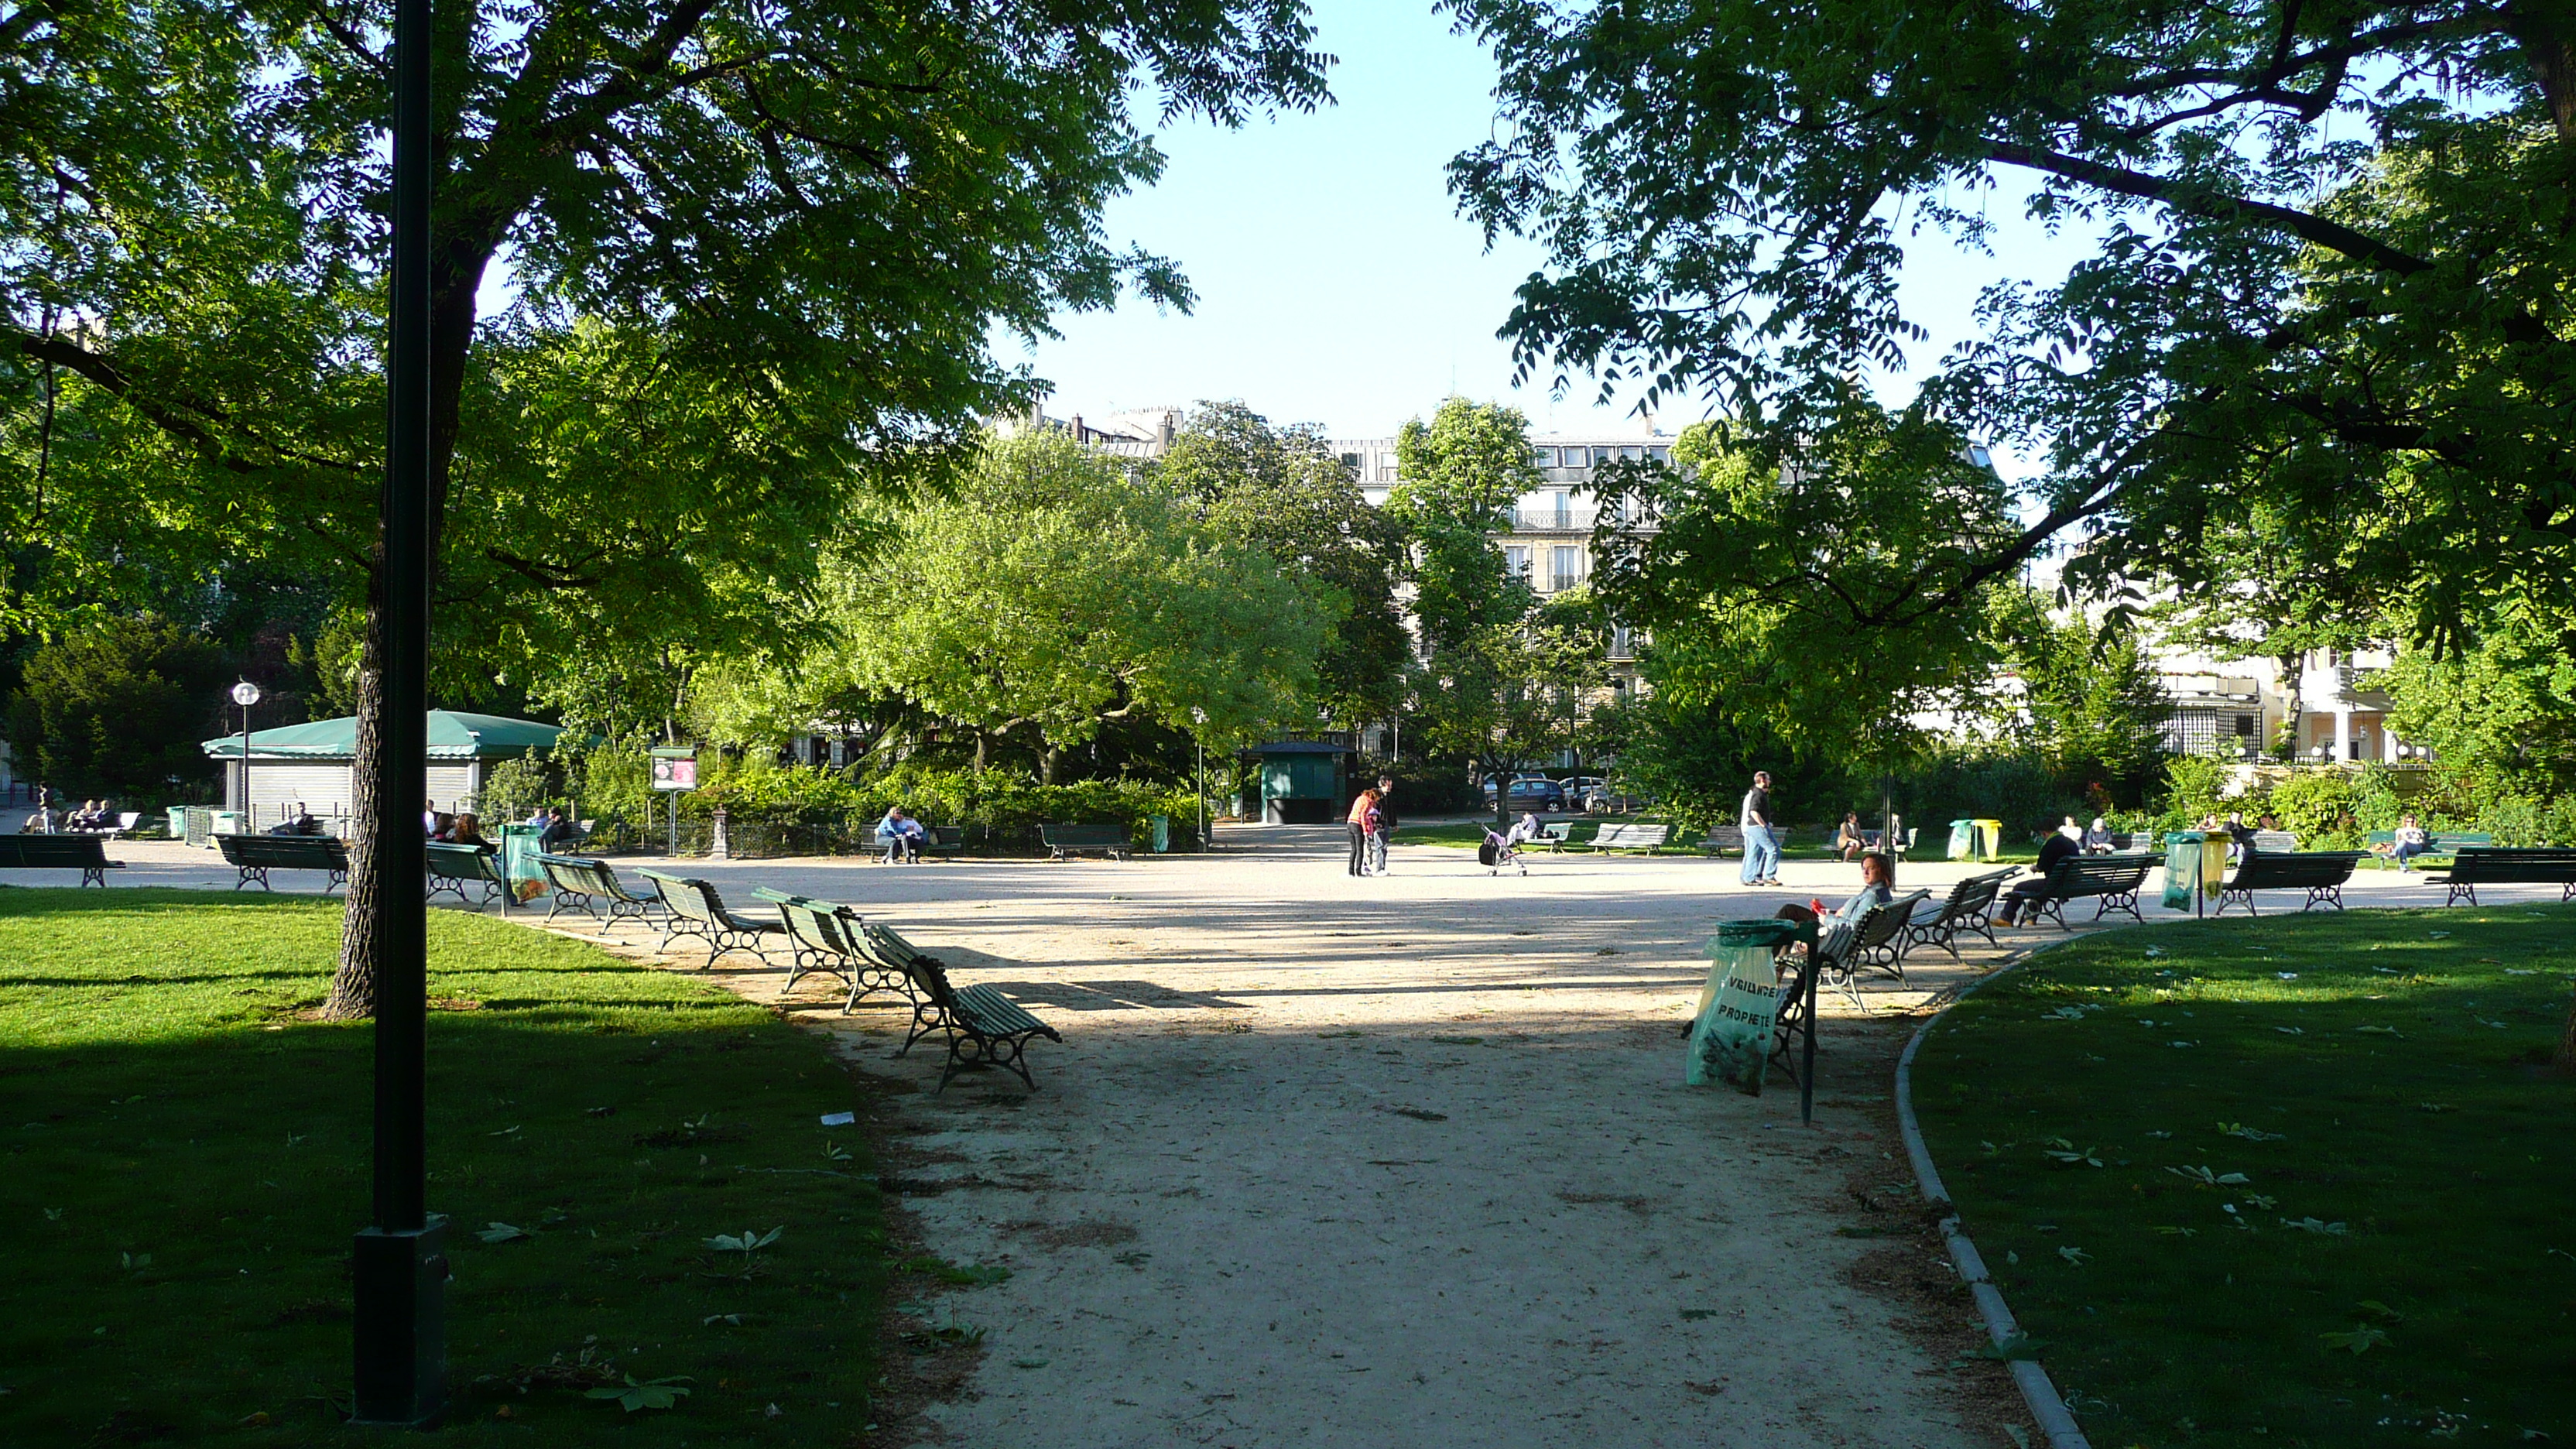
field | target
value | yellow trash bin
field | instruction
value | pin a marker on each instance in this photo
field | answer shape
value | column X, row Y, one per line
column 1990, row 837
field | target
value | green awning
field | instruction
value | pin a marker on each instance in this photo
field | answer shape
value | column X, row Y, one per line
column 452, row 736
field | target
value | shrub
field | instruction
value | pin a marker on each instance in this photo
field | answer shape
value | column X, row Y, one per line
column 118, row 708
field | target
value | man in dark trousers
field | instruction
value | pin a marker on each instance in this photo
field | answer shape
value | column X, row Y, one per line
column 1761, row 842
column 2017, row 900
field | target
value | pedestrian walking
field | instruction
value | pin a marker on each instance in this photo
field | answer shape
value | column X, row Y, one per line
column 1761, row 840
column 1361, row 808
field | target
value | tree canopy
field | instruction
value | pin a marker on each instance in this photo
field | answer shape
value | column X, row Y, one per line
column 2330, row 276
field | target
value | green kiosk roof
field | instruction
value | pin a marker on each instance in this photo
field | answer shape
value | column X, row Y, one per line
column 452, row 736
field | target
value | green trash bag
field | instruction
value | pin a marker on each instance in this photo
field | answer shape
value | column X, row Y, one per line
column 1739, row 1008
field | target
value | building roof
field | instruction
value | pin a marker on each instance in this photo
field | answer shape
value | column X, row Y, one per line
column 1299, row 747
column 453, row 735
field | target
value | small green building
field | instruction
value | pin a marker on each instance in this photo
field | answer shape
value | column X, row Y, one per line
column 311, row 762
column 1297, row 782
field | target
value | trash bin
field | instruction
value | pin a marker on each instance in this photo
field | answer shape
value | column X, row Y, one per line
column 520, row 847
column 225, row 822
column 2182, row 867
column 1990, row 837
column 1739, row 1008
column 1159, row 829
column 1963, row 839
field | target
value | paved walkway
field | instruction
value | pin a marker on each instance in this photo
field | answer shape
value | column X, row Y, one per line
column 1399, row 1161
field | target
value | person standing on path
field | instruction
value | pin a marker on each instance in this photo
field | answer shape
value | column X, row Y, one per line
column 1761, row 843
column 1359, row 823
column 1381, row 826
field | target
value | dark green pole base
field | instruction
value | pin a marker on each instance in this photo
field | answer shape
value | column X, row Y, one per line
column 401, row 1281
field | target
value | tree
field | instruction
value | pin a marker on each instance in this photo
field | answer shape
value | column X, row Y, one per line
column 1281, row 491
column 1503, row 679
column 118, row 707
column 2331, row 275
column 805, row 222
column 1056, row 591
column 1773, row 587
column 2263, row 595
column 2095, row 702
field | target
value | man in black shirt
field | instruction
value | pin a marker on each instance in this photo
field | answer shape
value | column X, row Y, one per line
column 2052, row 850
column 1761, row 842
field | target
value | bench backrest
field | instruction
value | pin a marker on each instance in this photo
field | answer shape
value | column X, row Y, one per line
column 2261, row 871
column 2275, row 842
column 813, row 925
column 1632, row 837
column 451, row 861
column 52, row 850
column 1725, row 837
column 308, row 852
column 1083, row 835
column 1562, row 831
column 894, row 951
column 946, row 837
column 2098, row 875
column 686, row 896
column 2505, row 865
column 1880, row 923
column 1976, row 893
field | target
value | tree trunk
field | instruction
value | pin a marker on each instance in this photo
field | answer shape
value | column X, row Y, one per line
column 2567, row 1045
column 1046, row 765
column 2294, row 674
column 353, row 986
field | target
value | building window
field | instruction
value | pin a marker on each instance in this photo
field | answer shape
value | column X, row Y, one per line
column 2245, row 726
column 1632, row 452
column 1660, row 454
column 1516, row 561
column 1351, row 464
column 1568, row 563
column 1542, row 457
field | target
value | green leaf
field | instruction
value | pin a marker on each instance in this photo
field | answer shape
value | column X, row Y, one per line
column 502, row 1233
column 2362, row 1339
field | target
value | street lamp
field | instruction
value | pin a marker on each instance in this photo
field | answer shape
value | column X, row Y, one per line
column 399, row 1260
column 1198, row 736
column 246, row 694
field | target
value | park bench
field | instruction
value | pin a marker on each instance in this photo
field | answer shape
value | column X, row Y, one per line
column 1969, row 907
column 696, row 910
column 2275, row 842
column 824, row 936
column 1648, row 838
column 1556, row 835
column 84, row 853
column 1723, row 838
column 254, row 856
column 2111, row 880
column 1063, row 842
column 2473, row 867
column 2445, row 843
column 2320, row 873
column 577, row 879
column 1880, row 941
column 453, row 867
column 1870, row 840
column 985, row 1028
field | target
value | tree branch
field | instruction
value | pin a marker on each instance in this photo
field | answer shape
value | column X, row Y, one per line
column 2200, row 201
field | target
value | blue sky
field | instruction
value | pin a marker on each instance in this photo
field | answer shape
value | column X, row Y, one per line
column 1336, row 283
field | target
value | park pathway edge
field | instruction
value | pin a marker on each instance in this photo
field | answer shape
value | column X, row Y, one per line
column 2037, row 1390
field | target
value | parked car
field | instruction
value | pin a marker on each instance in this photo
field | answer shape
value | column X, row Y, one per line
column 1531, row 792
column 1585, row 792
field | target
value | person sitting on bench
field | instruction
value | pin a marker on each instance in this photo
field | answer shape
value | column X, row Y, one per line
column 2411, row 842
column 2013, row 902
column 300, row 821
column 2097, row 838
column 900, row 834
column 1847, row 841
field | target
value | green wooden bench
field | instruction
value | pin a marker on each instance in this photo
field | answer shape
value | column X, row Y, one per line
column 696, row 910
column 824, row 936
column 2444, row 843
column 2321, row 873
column 254, row 856
column 985, row 1028
column 1648, row 838
column 2110, row 880
column 1969, row 907
column 579, row 879
column 453, row 867
column 1879, row 943
column 84, row 853
column 1063, row 842
column 2473, row 867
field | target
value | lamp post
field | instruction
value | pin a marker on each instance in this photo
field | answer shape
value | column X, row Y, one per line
column 399, row 1266
column 1198, row 737
column 246, row 694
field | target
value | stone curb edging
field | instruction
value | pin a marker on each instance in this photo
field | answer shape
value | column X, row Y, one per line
column 2055, row 1420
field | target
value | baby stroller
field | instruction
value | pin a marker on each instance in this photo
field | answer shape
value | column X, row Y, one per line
column 1502, row 849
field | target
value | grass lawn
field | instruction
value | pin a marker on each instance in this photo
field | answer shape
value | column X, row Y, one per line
column 187, row 1160
column 2297, row 1181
